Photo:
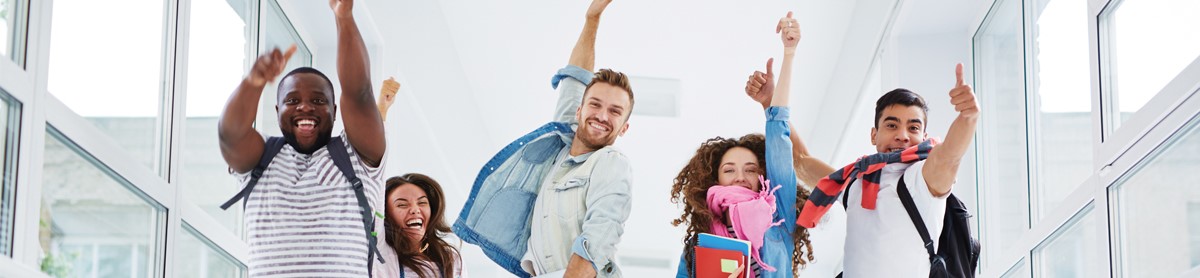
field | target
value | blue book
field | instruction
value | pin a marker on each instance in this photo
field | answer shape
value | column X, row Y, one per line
column 708, row 240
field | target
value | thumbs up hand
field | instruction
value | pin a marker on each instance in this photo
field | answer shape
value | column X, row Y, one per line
column 962, row 97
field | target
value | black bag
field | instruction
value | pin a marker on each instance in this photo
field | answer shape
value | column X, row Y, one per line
column 341, row 159
column 958, row 252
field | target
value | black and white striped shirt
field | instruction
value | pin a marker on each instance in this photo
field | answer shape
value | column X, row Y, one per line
column 303, row 219
column 753, row 263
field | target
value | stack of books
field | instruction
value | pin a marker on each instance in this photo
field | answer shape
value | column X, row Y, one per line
column 718, row 256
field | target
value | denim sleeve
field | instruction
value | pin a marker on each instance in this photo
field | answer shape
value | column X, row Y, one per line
column 608, row 204
column 682, row 272
column 570, row 83
column 779, row 165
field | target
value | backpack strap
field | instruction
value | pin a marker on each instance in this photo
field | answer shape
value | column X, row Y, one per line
column 337, row 151
column 270, row 149
column 911, row 207
column 846, row 194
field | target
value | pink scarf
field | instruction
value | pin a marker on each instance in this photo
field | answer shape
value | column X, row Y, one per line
column 751, row 213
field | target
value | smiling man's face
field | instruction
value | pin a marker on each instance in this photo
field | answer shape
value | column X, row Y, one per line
column 306, row 111
column 899, row 127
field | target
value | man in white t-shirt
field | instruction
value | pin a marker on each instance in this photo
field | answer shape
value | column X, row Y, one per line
column 882, row 242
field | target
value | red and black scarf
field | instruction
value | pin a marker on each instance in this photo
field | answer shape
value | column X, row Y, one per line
column 867, row 169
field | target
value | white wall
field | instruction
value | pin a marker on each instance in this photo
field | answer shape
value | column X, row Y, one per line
column 924, row 63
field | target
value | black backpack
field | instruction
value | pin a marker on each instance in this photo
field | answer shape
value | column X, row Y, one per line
column 958, row 252
column 341, row 159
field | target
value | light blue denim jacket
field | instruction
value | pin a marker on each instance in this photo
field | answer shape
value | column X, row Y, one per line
column 777, row 243
column 497, row 214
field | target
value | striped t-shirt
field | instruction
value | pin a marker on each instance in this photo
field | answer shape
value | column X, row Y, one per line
column 753, row 263
column 303, row 219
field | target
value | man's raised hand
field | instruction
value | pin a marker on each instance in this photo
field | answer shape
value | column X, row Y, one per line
column 962, row 97
column 269, row 66
column 761, row 86
column 342, row 8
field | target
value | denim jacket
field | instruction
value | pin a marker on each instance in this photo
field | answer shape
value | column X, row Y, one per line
column 497, row 214
column 777, row 244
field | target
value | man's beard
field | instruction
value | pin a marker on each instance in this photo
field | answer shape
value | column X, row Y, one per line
column 592, row 144
column 322, row 140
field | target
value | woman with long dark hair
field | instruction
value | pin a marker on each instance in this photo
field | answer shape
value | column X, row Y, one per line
column 415, row 223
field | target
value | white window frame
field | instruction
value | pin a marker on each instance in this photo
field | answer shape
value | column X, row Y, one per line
column 24, row 78
column 1115, row 154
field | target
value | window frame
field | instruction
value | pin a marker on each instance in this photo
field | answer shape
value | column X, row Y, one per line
column 41, row 114
column 1115, row 154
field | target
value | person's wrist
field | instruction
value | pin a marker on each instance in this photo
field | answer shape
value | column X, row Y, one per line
column 254, row 81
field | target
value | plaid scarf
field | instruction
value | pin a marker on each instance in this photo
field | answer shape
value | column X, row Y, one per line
column 867, row 169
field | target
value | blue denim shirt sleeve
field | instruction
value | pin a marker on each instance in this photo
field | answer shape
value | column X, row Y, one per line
column 608, row 204
column 779, row 164
column 570, row 83
column 682, row 271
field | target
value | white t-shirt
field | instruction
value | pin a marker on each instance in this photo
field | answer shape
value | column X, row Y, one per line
column 883, row 242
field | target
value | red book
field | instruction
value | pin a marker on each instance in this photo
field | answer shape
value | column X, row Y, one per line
column 719, row 263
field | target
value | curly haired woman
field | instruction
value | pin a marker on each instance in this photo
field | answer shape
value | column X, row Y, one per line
column 723, row 190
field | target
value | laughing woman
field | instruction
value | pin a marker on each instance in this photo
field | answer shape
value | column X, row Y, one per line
column 416, row 207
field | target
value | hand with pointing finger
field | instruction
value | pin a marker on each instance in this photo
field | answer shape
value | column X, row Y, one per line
column 761, row 86
column 962, row 97
column 789, row 31
column 269, row 66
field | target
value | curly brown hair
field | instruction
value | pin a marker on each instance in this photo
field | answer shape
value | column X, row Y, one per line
column 441, row 253
column 691, row 188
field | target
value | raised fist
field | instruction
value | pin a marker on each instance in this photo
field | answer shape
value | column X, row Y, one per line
column 789, row 31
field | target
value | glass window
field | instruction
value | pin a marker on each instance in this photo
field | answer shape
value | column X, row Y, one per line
column 1158, row 216
column 13, row 22
column 6, row 25
column 1075, row 250
column 10, row 115
column 1017, row 271
column 114, row 83
column 1140, row 61
column 277, row 31
column 93, row 223
column 198, row 258
column 1062, row 99
column 1003, row 172
column 217, row 61
column 12, row 29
